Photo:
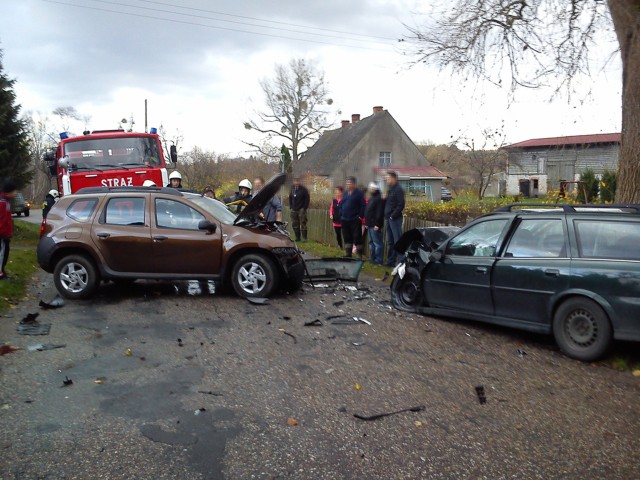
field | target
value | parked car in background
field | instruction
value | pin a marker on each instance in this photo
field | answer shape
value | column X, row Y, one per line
column 445, row 194
column 569, row 270
column 126, row 233
column 20, row 206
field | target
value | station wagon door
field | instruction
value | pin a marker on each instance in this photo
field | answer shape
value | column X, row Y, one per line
column 534, row 267
column 461, row 280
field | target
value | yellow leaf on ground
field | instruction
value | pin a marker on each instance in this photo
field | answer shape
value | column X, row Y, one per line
column 636, row 373
column 358, row 386
column 292, row 422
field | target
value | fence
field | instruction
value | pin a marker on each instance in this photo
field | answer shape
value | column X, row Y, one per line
column 320, row 228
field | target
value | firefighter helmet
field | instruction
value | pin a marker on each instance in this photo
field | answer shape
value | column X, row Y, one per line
column 245, row 184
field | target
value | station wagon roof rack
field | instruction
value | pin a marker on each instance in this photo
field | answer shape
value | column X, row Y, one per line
column 571, row 208
column 95, row 190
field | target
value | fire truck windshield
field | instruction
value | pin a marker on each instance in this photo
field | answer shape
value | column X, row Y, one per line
column 112, row 153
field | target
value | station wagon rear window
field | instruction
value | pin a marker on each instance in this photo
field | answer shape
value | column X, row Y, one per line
column 608, row 239
column 82, row 209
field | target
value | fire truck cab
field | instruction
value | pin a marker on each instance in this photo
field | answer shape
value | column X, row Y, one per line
column 108, row 158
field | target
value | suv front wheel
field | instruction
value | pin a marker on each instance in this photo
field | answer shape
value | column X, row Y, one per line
column 75, row 277
column 254, row 275
column 581, row 329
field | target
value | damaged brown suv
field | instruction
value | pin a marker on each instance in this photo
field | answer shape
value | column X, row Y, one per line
column 130, row 233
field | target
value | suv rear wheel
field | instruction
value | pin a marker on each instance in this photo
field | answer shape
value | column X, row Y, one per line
column 581, row 329
column 75, row 277
column 254, row 275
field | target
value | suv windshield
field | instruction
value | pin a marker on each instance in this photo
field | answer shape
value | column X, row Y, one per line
column 111, row 153
column 214, row 207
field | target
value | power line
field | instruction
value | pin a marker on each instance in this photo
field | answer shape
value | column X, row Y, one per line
column 230, row 21
column 184, row 22
column 267, row 21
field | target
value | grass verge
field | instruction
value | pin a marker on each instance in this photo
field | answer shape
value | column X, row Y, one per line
column 22, row 263
column 321, row 250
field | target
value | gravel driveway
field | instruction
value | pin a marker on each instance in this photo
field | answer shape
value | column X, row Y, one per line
column 173, row 381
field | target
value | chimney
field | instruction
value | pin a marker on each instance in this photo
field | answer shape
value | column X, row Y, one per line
column 345, row 123
column 377, row 109
column 355, row 118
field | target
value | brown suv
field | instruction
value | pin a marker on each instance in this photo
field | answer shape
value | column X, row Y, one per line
column 162, row 233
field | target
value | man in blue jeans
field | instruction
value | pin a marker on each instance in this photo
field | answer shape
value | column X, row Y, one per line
column 374, row 220
column 393, row 208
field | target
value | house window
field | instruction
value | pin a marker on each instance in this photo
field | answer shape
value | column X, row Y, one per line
column 385, row 159
column 415, row 187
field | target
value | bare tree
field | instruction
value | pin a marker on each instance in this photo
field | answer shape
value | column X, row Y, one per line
column 536, row 43
column 41, row 137
column 176, row 138
column 297, row 105
column 482, row 162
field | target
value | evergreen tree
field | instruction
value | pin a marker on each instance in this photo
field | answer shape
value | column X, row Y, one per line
column 14, row 154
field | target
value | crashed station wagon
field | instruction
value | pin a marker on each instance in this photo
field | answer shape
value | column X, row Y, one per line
column 130, row 233
column 569, row 270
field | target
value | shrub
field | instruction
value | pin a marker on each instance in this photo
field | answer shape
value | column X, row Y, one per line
column 608, row 185
column 590, row 184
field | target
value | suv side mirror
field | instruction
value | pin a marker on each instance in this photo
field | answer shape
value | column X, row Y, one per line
column 207, row 225
column 173, row 153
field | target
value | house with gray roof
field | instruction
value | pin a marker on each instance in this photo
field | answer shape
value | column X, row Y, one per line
column 366, row 148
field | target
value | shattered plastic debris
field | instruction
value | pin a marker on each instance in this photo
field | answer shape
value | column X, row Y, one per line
column 358, row 386
column 67, row 382
column 292, row 422
column 357, row 344
column 30, row 326
column 363, row 320
column 56, row 302
column 370, row 418
column 40, row 347
column 295, row 340
column 209, row 392
column 313, row 323
column 199, row 411
column 482, row 398
column 329, row 370
column 100, row 380
column 521, row 353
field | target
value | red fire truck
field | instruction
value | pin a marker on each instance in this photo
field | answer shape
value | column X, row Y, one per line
column 108, row 158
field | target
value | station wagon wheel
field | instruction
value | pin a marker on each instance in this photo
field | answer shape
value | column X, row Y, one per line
column 254, row 275
column 75, row 277
column 406, row 293
column 581, row 329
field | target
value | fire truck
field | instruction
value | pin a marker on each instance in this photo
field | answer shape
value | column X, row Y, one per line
column 108, row 158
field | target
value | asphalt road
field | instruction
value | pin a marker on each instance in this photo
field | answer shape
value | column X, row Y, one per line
column 35, row 216
column 216, row 387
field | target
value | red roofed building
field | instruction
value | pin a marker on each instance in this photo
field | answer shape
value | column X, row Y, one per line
column 541, row 163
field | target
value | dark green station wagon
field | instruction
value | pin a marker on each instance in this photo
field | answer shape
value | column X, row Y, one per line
column 570, row 270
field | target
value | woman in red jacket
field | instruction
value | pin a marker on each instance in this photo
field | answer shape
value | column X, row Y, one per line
column 6, row 224
column 334, row 214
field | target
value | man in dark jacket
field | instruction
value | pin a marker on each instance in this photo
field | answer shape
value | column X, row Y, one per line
column 299, row 199
column 393, row 208
column 6, row 224
column 352, row 212
column 374, row 220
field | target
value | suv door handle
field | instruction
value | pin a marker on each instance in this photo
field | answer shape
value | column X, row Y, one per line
column 159, row 238
column 482, row 270
column 103, row 235
column 552, row 272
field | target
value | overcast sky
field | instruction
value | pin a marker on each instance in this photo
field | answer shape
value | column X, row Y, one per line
column 199, row 62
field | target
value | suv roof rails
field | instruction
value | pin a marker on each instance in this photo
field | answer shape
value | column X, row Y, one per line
column 572, row 208
column 94, row 190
